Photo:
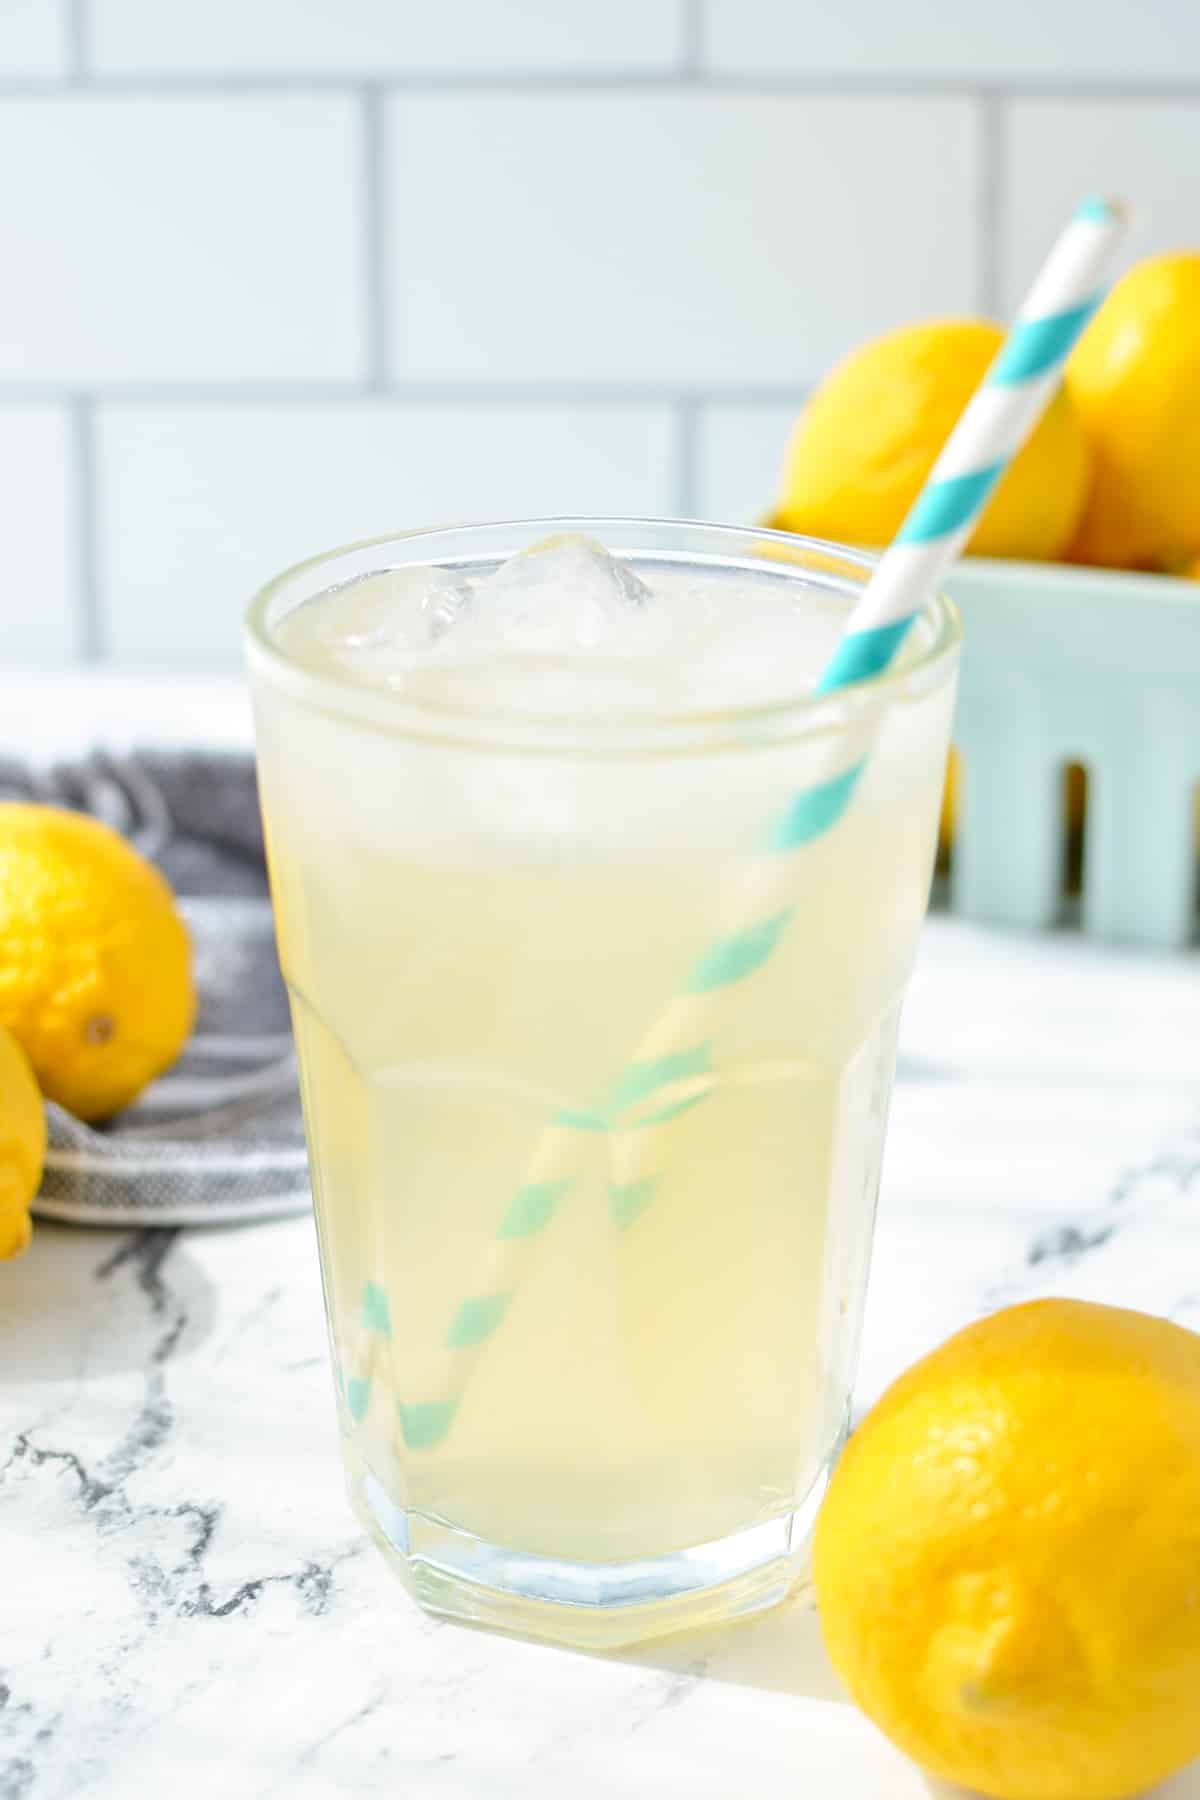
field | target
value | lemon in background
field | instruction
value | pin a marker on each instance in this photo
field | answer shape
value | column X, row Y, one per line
column 95, row 962
column 865, row 443
column 1007, row 1562
column 22, row 1145
column 1134, row 379
column 948, row 817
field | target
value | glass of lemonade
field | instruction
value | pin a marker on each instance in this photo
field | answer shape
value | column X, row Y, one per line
column 594, row 1227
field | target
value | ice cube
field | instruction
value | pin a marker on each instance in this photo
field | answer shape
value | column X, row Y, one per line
column 379, row 626
column 398, row 609
column 560, row 596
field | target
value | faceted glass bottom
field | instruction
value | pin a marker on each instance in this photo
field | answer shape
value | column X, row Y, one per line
column 593, row 1606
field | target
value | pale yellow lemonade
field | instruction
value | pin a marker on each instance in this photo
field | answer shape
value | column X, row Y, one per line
column 477, row 926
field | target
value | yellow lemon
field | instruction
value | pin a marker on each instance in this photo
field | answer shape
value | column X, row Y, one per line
column 22, row 1145
column 95, row 962
column 869, row 436
column 1134, row 378
column 948, row 820
column 1008, row 1559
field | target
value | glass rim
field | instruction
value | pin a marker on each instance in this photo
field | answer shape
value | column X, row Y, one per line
column 845, row 570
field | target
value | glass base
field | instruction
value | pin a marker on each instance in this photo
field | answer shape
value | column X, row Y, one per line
column 591, row 1606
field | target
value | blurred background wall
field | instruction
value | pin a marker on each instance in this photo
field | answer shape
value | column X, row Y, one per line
column 280, row 273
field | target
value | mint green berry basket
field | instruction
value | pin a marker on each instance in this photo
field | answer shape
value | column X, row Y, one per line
column 1061, row 667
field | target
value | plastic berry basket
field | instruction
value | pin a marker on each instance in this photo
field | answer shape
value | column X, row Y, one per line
column 1067, row 666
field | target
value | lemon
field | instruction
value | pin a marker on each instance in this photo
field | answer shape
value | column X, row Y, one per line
column 22, row 1145
column 1134, row 377
column 95, row 963
column 869, row 436
column 948, row 818
column 1008, row 1559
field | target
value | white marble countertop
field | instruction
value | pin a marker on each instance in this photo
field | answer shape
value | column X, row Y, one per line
column 187, row 1605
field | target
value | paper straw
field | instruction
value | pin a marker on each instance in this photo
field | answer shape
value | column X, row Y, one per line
column 671, row 1070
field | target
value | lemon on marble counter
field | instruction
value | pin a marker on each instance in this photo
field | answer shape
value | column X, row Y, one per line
column 1007, row 1562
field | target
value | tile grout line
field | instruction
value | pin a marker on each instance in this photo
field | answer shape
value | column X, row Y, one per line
column 834, row 84
column 990, row 203
column 375, row 238
column 408, row 392
column 693, row 38
column 77, row 38
column 85, row 508
column 687, row 458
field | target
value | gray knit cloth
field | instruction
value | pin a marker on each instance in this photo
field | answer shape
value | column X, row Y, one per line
column 219, row 1136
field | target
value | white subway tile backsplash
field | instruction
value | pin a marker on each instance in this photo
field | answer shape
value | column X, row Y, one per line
column 739, row 457
column 38, row 595
column 497, row 256
column 670, row 237
column 1147, row 153
column 1067, row 41
column 203, row 503
column 33, row 39
column 184, row 239
column 379, row 37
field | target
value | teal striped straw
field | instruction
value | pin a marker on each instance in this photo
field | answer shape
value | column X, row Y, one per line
column 671, row 1070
